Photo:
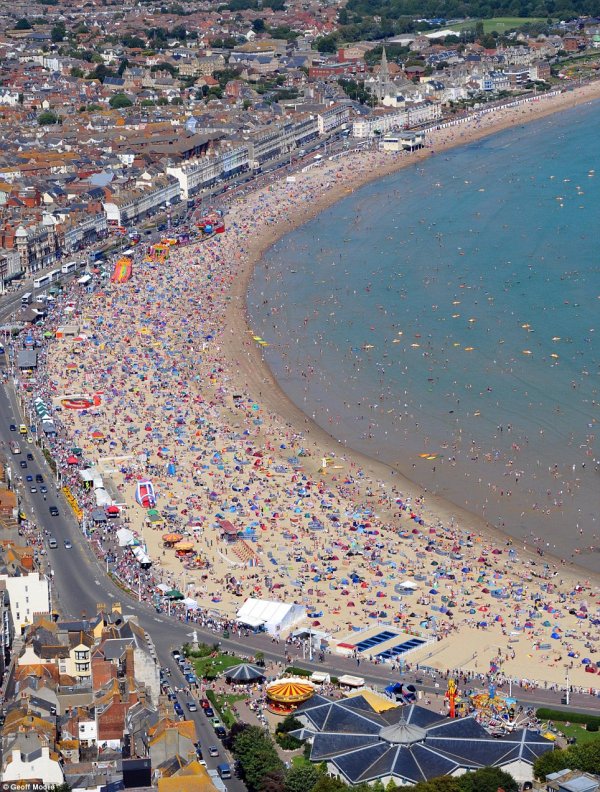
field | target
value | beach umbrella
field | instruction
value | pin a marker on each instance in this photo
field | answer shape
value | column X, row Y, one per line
column 171, row 538
column 586, row 661
column 72, row 460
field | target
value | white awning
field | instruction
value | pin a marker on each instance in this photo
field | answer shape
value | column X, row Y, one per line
column 250, row 621
column 125, row 537
column 351, row 681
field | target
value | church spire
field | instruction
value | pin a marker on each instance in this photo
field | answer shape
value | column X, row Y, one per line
column 383, row 68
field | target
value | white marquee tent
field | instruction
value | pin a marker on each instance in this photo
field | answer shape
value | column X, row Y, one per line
column 274, row 617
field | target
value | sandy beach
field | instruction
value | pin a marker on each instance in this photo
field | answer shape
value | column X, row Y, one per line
column 186, row 400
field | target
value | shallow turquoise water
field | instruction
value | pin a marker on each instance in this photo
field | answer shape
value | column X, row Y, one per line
column 453, row 308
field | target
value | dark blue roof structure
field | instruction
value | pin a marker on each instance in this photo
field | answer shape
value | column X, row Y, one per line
column 408, row 744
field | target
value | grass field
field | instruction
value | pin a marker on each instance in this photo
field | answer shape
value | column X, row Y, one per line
column 577, row 731
column 212, row 666
column 497, row 24
column 224, row 703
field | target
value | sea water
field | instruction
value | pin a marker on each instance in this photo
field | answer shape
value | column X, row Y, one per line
column 446, row 319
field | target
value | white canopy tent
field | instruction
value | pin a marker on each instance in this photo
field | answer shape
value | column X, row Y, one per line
column 92, row 475
column 125, row 537
column 140, row 556
column 274, row 617
column 102, row 497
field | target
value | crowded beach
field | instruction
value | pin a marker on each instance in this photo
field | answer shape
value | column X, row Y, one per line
column 248, row 498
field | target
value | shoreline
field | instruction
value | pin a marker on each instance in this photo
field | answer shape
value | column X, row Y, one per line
column 182, row 366
column 258, row 373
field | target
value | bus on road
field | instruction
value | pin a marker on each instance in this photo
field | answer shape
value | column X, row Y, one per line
column 70, row 266
column 46, row 280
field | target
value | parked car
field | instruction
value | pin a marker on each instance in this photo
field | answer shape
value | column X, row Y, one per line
column 209, row 712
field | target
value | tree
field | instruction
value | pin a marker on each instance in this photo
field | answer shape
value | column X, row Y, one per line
column 258, row 25
column 58, row 33
column 132, row 41
column 488, row 779
column 301, row 778
column 442, row 784
column 584, row 757
column 255, row 751
column 273, row 781
column 48, row 118
column 23, row 24
column 328, row 784
column 101, row 72
column 326, row 43
column 119, row 101
column 165, row 66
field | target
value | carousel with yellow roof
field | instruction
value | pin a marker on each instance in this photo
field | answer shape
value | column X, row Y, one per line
column 285, row 695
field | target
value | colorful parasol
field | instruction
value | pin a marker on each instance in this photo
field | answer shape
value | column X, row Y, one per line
column 172, row 538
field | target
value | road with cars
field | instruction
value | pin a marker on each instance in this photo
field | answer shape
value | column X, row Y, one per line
column 79, row 581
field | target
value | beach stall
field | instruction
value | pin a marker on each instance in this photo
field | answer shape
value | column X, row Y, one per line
column 141, row 557
column 350, row 682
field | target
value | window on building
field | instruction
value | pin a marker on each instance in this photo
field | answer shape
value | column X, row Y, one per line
column 81, row 654
column 82, row 667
